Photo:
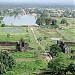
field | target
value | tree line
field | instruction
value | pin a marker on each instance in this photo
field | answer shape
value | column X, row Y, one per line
column 44, row 21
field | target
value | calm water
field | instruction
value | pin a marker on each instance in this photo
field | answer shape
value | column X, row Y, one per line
column 20, row 20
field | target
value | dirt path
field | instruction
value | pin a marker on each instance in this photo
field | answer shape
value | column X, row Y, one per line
column 36, row 38
column 34, row 35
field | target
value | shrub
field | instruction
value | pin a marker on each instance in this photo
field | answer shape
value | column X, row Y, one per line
column 2, row 69
column 7, row 62
column 2, row 25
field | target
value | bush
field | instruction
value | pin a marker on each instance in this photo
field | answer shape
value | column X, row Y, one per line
column 45, row 38
column 2, row 25
column 2, row 69
column 8, row 35
column 39, row 39
column 54, row 49
column 7, row 62
column 63, row 21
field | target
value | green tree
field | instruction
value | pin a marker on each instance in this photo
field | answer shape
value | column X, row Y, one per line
column 63, row 21
column 59, row 65
column 2, row 69
column 40, row 21
column 73, row 14
column 54, row 23
column 39, row 39
column 2, row 25
column 54, row 49
column 48, row 21
column 45, row 14
column 7, row 59
column 1, row 18
column 71, row 68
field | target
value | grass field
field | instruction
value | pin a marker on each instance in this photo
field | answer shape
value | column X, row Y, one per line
column 28, row 54
column 69, row 33
column 14, row 34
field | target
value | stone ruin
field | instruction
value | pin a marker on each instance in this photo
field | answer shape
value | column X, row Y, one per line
column 63, row 46
column 22, row 46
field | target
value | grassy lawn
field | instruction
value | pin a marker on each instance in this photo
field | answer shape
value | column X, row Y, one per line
column 28, row 54
column 72, row 47
column 69, row 33
column 71, row 21
column 15, row 34
column 48, row 33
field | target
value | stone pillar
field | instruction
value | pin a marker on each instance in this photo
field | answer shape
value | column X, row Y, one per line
column 17, row 47
column 22, row 45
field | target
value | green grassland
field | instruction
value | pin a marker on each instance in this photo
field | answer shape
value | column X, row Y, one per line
column 72, row 47
column 69, row 34
column 28, row 54
column 14, row 36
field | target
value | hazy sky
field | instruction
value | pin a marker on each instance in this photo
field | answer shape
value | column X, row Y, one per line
column 40, row 1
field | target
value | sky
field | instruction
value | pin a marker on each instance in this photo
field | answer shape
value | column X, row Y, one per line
column 41, row 1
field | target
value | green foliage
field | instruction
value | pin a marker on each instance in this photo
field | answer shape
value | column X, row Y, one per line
column 39, row 39
column 47, row 48
column 63, row 21
column 44, row 38
column 7, row 61
column 1, row 18
column 58, row 65
column 28, row 66
column 62, row 64
column 8, row 35
column 31, row 54
column 73, row 14
column 54, row 49
column 14, row 36
column 39, row 48
column 2, row 25
column 47, row 22
column 71, row 68
column 10, row 73
column 53, row 22
column 2, row 69
column 40, row 21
